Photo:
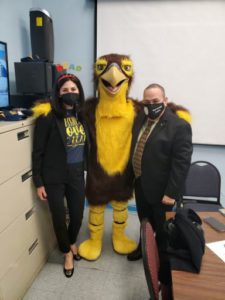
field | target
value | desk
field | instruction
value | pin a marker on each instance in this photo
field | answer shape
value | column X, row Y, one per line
column 209, row 284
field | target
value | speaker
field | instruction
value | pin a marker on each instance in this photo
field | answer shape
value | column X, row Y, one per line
column 33, row 78
column 41, row 31
column 23, row 101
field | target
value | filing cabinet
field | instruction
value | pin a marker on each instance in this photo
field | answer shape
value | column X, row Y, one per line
column 26, row 232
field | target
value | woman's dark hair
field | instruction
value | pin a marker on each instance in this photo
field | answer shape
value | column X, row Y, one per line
column 57, row 106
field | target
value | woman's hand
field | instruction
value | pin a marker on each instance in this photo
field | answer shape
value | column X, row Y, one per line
column 167, row 200
column 42, row 193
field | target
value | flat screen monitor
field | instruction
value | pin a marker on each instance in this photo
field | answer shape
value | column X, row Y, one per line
column 4, row 76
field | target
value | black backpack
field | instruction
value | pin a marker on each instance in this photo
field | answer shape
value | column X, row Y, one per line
column 186, row 242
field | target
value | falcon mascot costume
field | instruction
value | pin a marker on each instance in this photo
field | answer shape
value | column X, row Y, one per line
column 110, row 119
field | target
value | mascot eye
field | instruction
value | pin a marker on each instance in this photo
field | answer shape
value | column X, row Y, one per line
column 100, row 67
column 127, row 68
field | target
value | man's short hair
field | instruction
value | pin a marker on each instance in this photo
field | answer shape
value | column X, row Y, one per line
column 156, row 85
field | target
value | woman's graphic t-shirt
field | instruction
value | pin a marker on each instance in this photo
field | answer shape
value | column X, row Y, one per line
column 75, row 139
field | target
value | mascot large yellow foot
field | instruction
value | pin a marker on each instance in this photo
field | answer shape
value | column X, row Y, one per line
column 91, row 248
column 121, row 243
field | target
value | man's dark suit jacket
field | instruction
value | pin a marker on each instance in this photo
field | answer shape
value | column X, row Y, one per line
column 49, row 156
column 166, row 157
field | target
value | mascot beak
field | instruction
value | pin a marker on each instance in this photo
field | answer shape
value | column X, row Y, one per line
column 113, row 78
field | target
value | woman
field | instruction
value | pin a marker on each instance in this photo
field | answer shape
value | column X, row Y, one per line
column 58, row 156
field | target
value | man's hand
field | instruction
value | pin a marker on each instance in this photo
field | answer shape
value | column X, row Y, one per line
column 42, row 193
column 168, row 201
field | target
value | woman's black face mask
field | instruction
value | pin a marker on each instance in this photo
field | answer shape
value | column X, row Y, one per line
column 154, row 110
column 70, row 99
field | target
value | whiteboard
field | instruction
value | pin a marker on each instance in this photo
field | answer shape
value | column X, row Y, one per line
column 178, row 44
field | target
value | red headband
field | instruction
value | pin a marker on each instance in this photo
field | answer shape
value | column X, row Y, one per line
column 66, row 76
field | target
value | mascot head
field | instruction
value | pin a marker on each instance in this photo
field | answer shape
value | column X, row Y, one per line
column 113, row 75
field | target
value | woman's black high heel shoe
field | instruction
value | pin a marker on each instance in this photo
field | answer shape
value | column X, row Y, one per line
column 68, row 273
column 77, row 257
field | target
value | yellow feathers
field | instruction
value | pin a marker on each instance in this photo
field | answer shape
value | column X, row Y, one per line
column 183, row 114
column 114, row 134
column 112, row 105
column 41, row 109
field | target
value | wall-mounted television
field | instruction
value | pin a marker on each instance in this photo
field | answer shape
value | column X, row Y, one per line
column 4, row 77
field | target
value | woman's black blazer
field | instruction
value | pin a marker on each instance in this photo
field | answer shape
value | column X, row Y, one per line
column 49, row 157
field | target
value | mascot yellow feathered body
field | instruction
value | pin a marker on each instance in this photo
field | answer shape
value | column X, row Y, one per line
column 110, row 119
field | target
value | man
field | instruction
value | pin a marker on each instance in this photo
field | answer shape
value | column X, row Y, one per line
column 162, row 149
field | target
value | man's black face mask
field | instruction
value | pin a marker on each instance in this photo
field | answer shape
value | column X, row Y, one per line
column 70, row 98
column 154, row 110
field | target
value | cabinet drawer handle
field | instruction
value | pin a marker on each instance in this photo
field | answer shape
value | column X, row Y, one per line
column 33, row 246
column 29, row 213
column 22, row 135
column 26, row 175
